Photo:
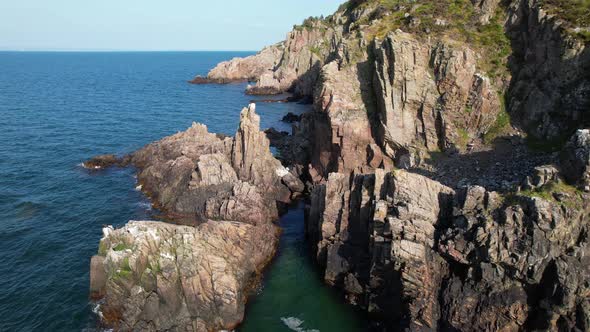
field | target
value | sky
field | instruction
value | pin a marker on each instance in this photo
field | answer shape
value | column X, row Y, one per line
column 149, row 25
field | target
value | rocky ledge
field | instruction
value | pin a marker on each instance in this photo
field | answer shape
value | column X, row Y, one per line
column 227, row 191
column 155, row 276
column 421, row 256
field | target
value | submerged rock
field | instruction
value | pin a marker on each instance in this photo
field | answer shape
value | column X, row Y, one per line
column 156, row 276
column 103, row 161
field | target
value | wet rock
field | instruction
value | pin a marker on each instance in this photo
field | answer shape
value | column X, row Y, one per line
column 275, row 135
column 291, row 118
column 103, row 161
column 164, row 277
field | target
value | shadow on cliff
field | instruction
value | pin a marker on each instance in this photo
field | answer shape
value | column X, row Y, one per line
column 505, row 165
column 549, row 92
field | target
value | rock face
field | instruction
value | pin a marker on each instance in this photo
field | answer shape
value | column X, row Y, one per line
column 197, row 175
column 550, row 88
column 424, row 90
column 421, row 256
column 575, row 159
column 155, row 276
column 429, row 95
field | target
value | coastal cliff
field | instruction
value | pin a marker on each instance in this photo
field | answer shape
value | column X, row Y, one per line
column 427, row 204
column 444, row 156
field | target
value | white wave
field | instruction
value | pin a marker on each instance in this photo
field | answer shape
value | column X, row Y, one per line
column 139, row 187
column 145, row 205
column 295, row 324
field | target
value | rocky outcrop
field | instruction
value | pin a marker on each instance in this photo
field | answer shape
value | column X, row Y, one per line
column 104, row 161
column 419, row 255
column 575, row 159
column 430, row 96
column 197, row 175
column 155, row 276
column 243, row 69
column 550, row 88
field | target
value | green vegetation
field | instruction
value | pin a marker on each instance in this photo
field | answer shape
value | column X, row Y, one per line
column 576, row 14
column 155, row 266
column 572, row 196
column 309, row 23
column 121, row 247
column 463, row 138
column 453, row 19
column 125, row 271
column 102, row 249
column 317, row 50
column 502, row 124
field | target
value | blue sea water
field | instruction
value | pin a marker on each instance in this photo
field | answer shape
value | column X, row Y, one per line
column 58, row 109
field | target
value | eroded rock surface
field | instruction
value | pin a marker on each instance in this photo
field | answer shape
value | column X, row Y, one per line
column 575, row 159
column 153, row 276
column 197, row 175
column 419, row 255
column 156, row 276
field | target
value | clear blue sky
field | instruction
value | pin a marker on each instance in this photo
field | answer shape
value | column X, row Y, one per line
column 151, row 24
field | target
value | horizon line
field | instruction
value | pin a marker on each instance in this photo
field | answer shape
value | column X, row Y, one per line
column 112, row 50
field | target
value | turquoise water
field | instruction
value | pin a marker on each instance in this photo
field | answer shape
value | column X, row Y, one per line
column 293, row 291
column 58, row 109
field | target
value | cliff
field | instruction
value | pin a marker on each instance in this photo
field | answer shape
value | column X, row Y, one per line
column 430, row 76
column 478, row 231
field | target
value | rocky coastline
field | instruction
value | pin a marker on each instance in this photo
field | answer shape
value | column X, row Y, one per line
column 445, row 166
column 221, row 197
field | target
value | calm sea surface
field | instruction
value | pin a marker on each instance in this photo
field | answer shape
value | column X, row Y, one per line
column 58, row 109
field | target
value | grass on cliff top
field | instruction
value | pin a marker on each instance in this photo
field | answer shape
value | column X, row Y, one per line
column 576, row 14
column 453, row 19
column 572, row 195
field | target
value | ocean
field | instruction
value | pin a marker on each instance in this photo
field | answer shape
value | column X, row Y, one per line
column 58, row 109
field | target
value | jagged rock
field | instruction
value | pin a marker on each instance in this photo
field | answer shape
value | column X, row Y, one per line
column 550, row 88
column 575, row 159
column 542, row 176
column 162, row 277
column 274, row 135
column 486, row 9
column 197, row 175
column 341, row 130
column 429, row 96
column 422, row 257
column 102, row 162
